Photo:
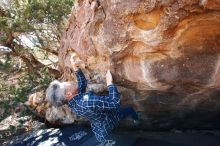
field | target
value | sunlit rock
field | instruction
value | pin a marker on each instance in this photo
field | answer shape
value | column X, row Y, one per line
column 165, row 54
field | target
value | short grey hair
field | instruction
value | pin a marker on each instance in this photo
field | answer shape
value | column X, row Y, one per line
column 55, row 93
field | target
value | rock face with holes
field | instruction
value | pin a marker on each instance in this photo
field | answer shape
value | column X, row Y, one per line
column 164, row 56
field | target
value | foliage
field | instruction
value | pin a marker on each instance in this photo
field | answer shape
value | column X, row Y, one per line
column 41, row 22
column 25, row 15
column 13, row 93
column 38, row 22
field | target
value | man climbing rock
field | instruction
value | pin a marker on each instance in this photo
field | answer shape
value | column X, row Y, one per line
column 103, row 112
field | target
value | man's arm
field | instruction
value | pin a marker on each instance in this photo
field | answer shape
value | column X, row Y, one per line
column 104, row 102
column 81, row 81
column 112, row 89
column 114, row 95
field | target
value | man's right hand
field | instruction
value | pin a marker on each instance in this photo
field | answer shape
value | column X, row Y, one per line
column 108, row 78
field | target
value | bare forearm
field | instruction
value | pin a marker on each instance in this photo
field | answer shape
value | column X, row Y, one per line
column 108, row 78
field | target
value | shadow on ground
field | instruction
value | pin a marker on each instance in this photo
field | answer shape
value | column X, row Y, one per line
column 79, row 135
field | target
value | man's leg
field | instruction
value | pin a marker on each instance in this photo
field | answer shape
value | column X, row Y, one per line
column 104, row 142
column 102, row 135
column 128, row 111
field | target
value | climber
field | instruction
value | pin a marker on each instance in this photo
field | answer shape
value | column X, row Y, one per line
column 103, row 112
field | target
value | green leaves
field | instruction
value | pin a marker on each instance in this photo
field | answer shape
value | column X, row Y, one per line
column 38, row 19
column 24, row 16
column 51, row 11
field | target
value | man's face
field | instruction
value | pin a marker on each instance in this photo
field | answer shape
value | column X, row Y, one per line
column 70, row 90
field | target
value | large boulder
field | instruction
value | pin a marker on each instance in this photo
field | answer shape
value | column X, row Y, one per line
column 164, row 56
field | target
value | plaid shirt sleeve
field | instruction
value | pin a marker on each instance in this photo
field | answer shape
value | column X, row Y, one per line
column 81, row 81
column 111, row 101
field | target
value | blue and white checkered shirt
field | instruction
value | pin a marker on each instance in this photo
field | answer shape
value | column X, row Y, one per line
column 101, row 111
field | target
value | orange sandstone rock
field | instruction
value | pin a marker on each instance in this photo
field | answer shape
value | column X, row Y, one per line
column 164, row 54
